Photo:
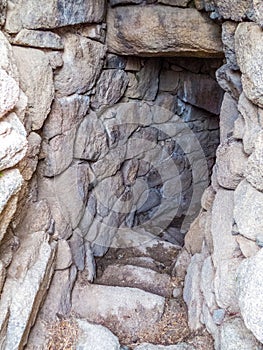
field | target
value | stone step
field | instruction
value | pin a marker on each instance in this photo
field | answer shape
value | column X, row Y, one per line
column 137, row 277
column 125, row 311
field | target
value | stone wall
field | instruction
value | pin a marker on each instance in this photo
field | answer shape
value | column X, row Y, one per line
column 105, row 127
column 224, row 242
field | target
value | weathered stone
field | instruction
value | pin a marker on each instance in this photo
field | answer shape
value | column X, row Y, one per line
column 83, row 61
column 234, row 335
column 10, row 184
column 144, row 84
column 38, row 38
column 7, row 61
column 192, row 293
column 32, row 279
column 228, row 38
column 127, row 26
column 109, row 88
column 258, row 10
column 36, row 81
column 169, row 81
column 77, row 248
column 91, row 139
column 137, row 277
column 13, row 142
column 2, row 275
column 181, row 265
column 3, row 8
column 228, row 116
column 225, row 284
column 209, row 323
column 64, row 257
column 179, row 346
column 207, row 282
column 247, row 247
column 60, row 130
column 253, row 118
column 195, row 236
column 115, row 62
column 248, row 199
column 30, row 224
column 235, row 10
column 222, row 220
column 21, row 106
column 195, row 88
column 93, row 31
column 230, row 164
column 229, row 80
column 27, row 14
column 254, row 169
column 249, row 53
column 129, row 310
column 249, row 280
column 9, row 92
column 95, row 337
column 179, row 3
column 6, row 217
column 28, row 165
column 208, row 198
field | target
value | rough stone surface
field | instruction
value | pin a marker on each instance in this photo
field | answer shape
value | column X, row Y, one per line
column 95, row 337
column 128, row 25
column 28, row 164
column 7, row 61
column 13, row 142
column 64, row 256
column 254, row 169
column 228, row 38
column 229, row 80
column 250, row 279
column 180, row 346
column 129, row 309
column 248, row 198
column 234, row 9
column 137, row 277
column 36, row 81
column 228, row 115
column 230, row 164
column 38, row 38
column 9, row 93
column 11, row 182
column 30, row 273
column 258, row 10
column 247, row 247
column 249, row 53
column 83, row 60
column 234, row 335
column 31, row 15
column 109, row 88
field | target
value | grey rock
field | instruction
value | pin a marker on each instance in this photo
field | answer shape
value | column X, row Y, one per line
column 249, row 57
column 109, row 88
column 137, row 277
column 228, row 38
column 235, row 10
column 3, row 8
column 27, row 14
column 83, row 61
column 254, row 169
column 76, row 244
column 179, row 346
column 248, row 198
column 38, row 38
column 144, row 84
column 179, row 3
column 115, row 62
column 207, row 282
column 208, row 198
column 229, row 80
column 230, row 164
column 129, row 309
column 91, row 139
column 11, row 182
column 234, row 335
column 168, row 37
column 95, row 337
column 218, row 316
column 258, row 10
column 36, row 257
column 192, row 293
column 7, row 61
column 93, row 31
column 228, row 115
column 9, row 93
column 36, row 81
column 249, row 280
column 29, row 163
column 253, row 123
column 64, row 256
column 13, row 142
column 169, row 81
column 248, row 248
column 181, row 264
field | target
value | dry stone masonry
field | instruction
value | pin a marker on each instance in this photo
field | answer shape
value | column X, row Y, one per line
column 131, row 152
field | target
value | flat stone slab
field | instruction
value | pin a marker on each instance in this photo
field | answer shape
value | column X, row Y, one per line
column 128, row 310
column 137, row 277
column 162, row 31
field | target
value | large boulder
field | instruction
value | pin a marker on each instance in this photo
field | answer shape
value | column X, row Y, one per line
column 159, row 31
column 249, row 53
column 52, row 14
